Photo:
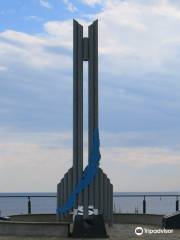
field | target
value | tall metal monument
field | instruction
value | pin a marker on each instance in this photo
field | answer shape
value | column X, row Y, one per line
column 86, row 188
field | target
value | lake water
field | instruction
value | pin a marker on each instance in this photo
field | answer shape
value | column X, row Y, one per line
column 19, row 205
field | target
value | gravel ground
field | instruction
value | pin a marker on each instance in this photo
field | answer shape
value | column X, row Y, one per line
column 128, row 232
column 118, row 232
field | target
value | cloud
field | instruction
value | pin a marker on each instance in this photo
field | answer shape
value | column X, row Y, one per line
column 23, row 155
column 134, row 139
column 138, row 64
column 45, row 4
column 34, row 18
column 92, row 2
column 152, row 169
column 61, row 30
column 139, row 48
column 70, row 6
column 32, row 161
column 141, row 156
column 3, row 68
column 27, row 154
column 132, row 29
column 33, row 48
column 35, row 75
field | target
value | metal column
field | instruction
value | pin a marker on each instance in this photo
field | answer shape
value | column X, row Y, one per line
column 77, row 105
column 111, row 204
column 101, row 199
column 58, row 200
column 105, row 197
column 92, row 96
column 62, row 198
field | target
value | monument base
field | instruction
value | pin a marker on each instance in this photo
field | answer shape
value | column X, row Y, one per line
column 92, row 227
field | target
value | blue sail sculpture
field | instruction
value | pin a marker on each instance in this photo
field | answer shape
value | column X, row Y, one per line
column 88, row 174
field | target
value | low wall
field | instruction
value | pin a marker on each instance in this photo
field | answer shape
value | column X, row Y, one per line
column 149, row 219
column 39, row 218
column 46, row 225
column 122, row 218
column 14, row 228
column 34, row 217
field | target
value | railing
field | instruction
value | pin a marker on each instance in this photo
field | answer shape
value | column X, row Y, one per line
column 144, row 198
column 28, row 197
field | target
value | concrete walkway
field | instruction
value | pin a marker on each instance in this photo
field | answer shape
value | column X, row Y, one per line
column 118, row 232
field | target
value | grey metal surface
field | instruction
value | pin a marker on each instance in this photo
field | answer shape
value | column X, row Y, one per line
column 70, row 181
column 108, row 201
column 65, row 189
column 62, row 198
column 58, row 199
column 111, row 204
column 85, row 202
column 92, row 94
column 105, row 196
column 93, row 79
column 91, row 194
column 101, row 200
column 77, row 105
column 96, row 191
column 85, row 49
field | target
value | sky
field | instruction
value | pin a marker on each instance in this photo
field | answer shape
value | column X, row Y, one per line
column 139, row 92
